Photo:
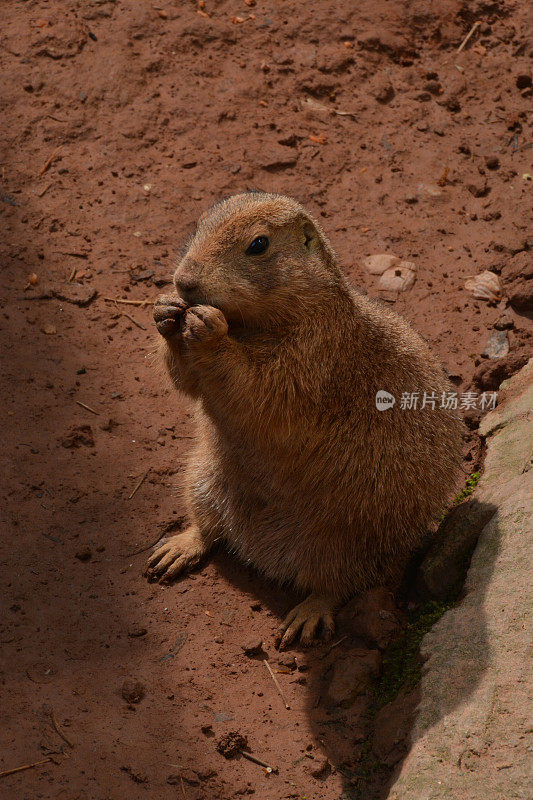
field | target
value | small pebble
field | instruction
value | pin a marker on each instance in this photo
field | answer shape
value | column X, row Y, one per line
column 109, row 425
column 430, row 191
column 503, row 323
column 384, row 93
column 137, row 631
column 253, row 648
column 379, row 263
column 524, row 79
column 321, row 769
column 133, row 691
column 433, row 86
column 479, row 189
column 485, row 286
column 85, row 554
column 287, row 661
column 497, row 345
column 398, row 278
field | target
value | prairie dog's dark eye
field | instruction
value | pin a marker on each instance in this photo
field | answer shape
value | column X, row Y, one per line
column 258, row 246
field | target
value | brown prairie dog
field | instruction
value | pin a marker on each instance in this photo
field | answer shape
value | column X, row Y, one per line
column 294, row 467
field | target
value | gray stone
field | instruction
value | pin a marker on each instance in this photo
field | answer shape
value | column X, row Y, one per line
column 497, row 345
column 471, row 737
column 444, row 567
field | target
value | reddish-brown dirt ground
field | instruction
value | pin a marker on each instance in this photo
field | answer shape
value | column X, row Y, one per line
column 121, row 122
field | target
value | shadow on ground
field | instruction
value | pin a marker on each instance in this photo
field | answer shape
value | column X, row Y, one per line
column 362, row 690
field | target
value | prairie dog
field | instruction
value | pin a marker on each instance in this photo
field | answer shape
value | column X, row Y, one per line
column 294, row 467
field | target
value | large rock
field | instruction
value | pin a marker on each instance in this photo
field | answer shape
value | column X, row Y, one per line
column 443, row 569
column 471, row 737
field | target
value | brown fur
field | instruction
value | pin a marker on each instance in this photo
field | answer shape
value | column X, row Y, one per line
column 294, row 467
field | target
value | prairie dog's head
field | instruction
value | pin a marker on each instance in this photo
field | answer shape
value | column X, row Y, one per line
column 256, row 257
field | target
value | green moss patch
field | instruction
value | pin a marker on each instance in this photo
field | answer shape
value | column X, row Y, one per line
column 470, row 484
column 401, row 661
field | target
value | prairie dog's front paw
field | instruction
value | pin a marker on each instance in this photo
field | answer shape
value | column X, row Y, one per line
column 168, row 311
column 203, row 324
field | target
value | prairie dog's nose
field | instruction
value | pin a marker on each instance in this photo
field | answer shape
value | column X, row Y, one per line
column 185, row 282
column 186, row 277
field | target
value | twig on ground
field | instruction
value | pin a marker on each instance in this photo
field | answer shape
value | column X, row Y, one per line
column 123, row 313
column 141, row 303
column 276, row 683
column 56, row 119
column 140, row 483
column 50, row 159
column 469, row 35
column 134, row 321
column 84, row 405
column 250, row 757
column 58, row 729
column 72, row 274
column 43, row 191
column 24, row 766
column 183, row 789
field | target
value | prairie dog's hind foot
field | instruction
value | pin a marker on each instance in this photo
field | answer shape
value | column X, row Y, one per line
column 317, row 610
column 176, row 555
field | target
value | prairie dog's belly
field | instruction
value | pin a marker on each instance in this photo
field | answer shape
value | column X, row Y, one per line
column 257, row 525
column 275, row 526
column 291, row 546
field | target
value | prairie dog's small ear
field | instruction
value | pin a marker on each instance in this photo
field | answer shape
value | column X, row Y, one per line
column 311, row 237
column 314, row 238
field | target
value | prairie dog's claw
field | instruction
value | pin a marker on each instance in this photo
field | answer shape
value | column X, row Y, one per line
column 175, row 555
column 168, row 311
column 306, row 617
column 204, row 324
